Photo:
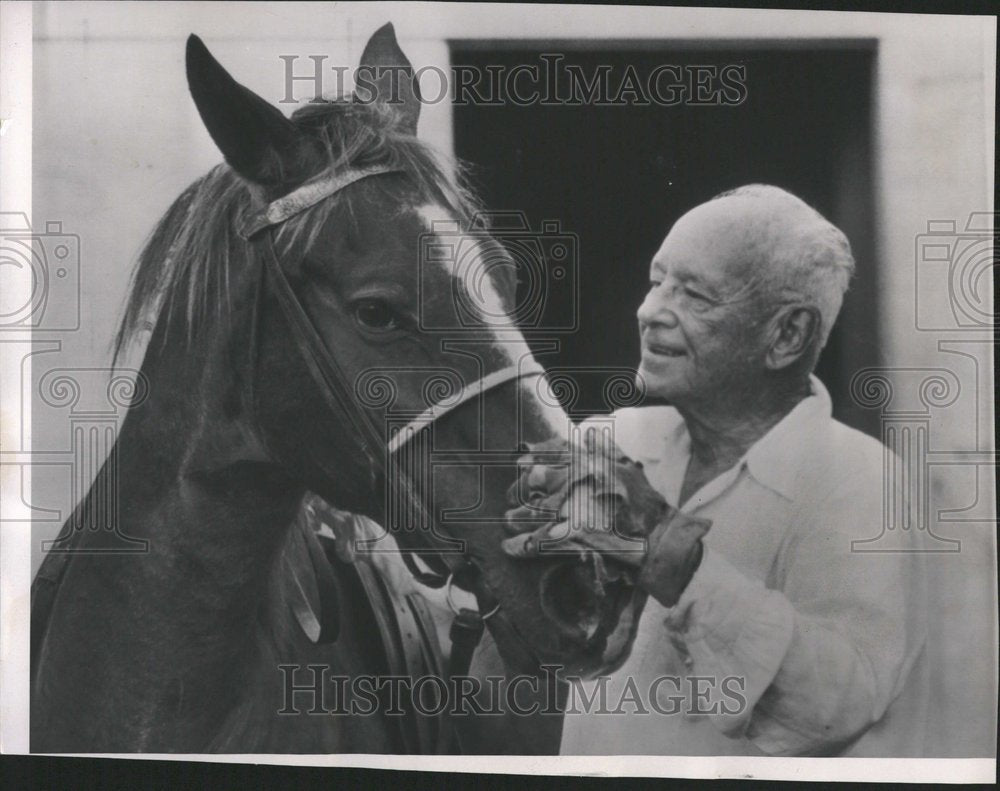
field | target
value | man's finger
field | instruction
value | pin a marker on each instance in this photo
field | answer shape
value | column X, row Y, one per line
column 560, row 539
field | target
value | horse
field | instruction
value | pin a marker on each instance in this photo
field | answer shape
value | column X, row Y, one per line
column 294, row 320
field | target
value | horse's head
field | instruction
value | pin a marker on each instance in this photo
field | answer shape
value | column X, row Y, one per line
column 410, row 303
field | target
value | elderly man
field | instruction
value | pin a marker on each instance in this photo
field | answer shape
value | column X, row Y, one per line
column 772, row 634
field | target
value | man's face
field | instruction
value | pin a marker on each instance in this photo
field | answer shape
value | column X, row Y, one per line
column 700, row 324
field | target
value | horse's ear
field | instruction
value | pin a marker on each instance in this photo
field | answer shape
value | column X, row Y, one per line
column 257, row 141
column 386, row 75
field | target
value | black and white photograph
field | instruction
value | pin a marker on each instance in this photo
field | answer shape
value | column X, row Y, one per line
column 547, row 389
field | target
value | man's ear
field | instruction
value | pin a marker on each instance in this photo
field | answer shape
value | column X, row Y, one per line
column 796, row 331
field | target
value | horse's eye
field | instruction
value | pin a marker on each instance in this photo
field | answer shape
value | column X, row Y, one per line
column 375, row 314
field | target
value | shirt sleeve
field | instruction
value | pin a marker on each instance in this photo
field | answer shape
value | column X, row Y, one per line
column 820, row 657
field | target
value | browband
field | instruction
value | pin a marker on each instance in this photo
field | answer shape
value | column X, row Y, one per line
column 301, row 198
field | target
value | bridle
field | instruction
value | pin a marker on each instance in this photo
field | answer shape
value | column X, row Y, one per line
column 257, row 230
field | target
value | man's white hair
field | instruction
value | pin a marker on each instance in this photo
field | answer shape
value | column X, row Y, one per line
column 796, row 252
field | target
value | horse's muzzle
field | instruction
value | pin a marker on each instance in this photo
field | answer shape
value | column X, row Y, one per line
column 594, row 604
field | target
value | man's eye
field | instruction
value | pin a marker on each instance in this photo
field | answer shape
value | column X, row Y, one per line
column 375, row 314
column 654, row 284
column 695, row 295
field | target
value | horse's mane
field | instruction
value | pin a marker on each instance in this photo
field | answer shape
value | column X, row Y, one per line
column 184, row 267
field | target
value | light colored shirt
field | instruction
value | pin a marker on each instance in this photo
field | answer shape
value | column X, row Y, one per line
column 787, row 641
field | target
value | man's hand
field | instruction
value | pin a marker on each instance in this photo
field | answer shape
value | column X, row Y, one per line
column 600, row 501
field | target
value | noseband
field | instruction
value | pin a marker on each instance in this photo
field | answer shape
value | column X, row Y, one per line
column 329, row 376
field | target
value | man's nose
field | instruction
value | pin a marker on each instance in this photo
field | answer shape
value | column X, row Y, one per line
column 655, row 310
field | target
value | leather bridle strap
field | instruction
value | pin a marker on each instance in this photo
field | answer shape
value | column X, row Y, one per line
column 306, row 196
column 322, row 366
column 339, row 398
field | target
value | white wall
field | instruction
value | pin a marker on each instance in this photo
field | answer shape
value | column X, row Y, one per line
column 116, row 138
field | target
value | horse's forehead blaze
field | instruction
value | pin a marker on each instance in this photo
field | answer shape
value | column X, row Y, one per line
column 479, row 288
column 473, row 280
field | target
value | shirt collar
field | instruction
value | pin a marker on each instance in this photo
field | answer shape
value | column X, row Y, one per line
column 775, row 460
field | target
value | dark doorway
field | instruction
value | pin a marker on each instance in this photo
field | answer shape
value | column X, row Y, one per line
column 619, row 176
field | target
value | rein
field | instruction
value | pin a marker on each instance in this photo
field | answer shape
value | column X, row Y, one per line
column 256, row 229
